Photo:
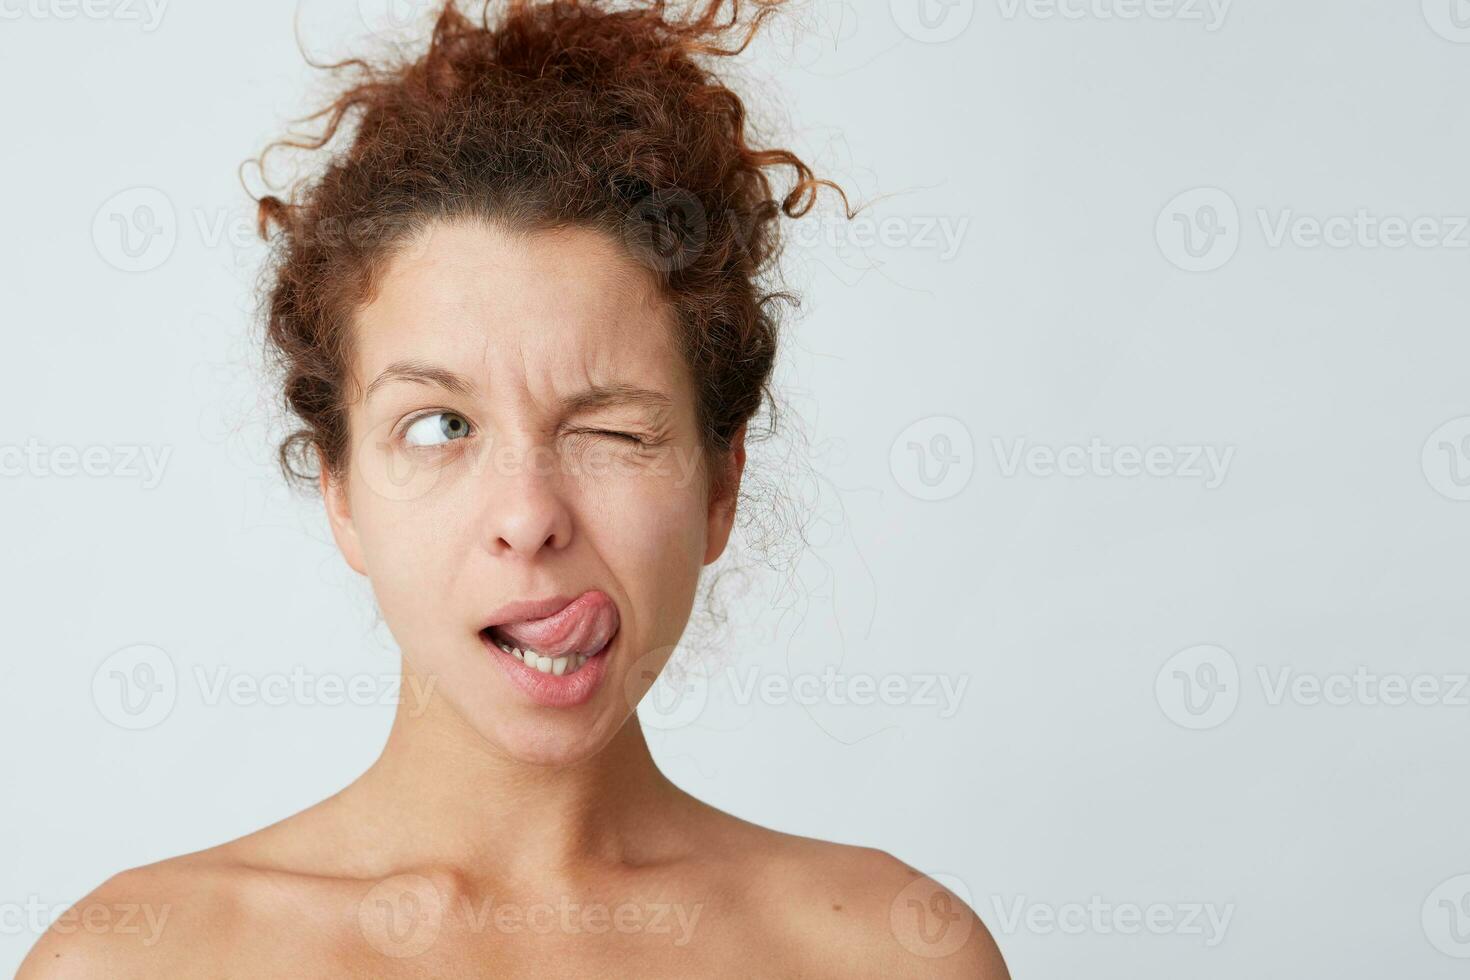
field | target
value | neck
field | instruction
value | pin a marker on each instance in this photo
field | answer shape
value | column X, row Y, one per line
column 440, row 795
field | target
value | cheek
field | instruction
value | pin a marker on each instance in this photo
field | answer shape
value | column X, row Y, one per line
column 638, row 529
column 412, row 549
column 648, row 524
column 649, row 530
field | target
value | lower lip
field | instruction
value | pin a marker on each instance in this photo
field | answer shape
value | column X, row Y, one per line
column 549, row 690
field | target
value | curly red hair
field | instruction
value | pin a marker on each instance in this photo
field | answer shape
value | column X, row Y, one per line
column 560, row 112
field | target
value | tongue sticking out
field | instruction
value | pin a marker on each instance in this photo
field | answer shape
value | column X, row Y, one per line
column 582, row 626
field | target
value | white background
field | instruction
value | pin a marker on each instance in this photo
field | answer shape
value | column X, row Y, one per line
column 1077, row 767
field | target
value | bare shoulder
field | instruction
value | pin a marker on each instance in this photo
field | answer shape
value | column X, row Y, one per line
column 126, row 926
column 165, row 919
column 860, row 911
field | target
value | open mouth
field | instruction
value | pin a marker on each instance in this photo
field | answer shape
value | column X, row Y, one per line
column 556, row 637
column 558, row 666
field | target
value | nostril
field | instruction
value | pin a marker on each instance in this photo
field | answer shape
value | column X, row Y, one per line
column 528, row 524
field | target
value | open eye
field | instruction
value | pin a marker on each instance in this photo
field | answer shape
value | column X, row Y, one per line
column 436, row 429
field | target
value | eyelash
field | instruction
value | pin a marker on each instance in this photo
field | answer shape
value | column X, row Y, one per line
column 625, row 436
column 409, row 421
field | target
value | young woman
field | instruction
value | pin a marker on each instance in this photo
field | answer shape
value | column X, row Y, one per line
column 520, row 319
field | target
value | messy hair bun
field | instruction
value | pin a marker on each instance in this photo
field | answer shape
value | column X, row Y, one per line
column 540, row 114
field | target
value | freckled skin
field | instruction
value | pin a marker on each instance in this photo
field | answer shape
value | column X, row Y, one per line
column 484, row 809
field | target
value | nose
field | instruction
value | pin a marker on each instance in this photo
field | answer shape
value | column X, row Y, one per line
column 524, row 508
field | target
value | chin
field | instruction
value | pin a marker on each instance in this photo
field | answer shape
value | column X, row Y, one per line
column 540, row 682
column 552, row 743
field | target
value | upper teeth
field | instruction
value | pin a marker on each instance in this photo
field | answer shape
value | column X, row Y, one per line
column 548, row 665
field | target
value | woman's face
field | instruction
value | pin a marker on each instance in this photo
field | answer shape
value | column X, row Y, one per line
column 523, row 428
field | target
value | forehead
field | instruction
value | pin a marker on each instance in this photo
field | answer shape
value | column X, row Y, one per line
column 556, row 308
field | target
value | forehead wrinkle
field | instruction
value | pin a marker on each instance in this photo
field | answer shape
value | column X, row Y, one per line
column 599, row 312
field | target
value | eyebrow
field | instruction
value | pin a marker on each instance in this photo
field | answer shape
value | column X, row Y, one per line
column 591, row 398
column 419, row 372
column 600, row 396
